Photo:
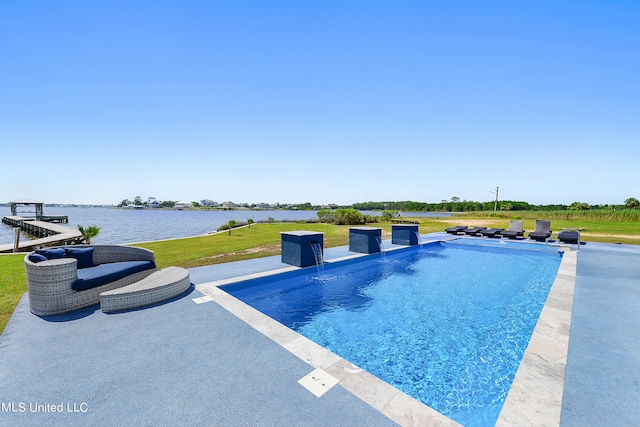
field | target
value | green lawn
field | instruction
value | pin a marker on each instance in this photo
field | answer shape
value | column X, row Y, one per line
column 264, row 240
column 244, row 243
column 13, row 283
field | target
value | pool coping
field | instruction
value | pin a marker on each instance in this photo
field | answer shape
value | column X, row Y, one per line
column 535, row 397
column 536, row 393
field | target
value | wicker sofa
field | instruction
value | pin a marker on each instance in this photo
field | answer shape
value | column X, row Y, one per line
column 60, row 280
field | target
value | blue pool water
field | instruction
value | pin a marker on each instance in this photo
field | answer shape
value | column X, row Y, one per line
column 447, row 323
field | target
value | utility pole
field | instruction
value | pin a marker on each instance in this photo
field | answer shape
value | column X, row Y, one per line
column 495, row 205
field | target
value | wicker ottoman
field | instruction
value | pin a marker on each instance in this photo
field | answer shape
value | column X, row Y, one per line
column 157, row 287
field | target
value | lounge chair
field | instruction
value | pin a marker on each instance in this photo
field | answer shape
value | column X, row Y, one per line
column 474, row 231
column 569, row 236
column 457, row 229
column 515, row 230
column 541, row 231
column 492, row 232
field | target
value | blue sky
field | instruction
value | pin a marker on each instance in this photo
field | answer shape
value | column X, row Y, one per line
column 321, row 102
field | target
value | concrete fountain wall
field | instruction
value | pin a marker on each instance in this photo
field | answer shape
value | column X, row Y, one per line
column 404, row 234
column 365, row 239
column 298, row 247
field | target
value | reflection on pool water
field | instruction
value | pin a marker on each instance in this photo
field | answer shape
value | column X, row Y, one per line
column 447, row 323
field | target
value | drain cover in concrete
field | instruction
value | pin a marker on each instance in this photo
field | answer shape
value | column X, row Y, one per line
column 318, row 382
column 200, row 300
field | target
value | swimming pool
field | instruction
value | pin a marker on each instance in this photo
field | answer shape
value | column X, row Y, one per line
column 447, row 324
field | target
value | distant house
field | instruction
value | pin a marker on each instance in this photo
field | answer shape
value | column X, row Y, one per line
column 263, row 206
column 229, row 205
column 153, row 203
column 183, row 205
column 208, row 203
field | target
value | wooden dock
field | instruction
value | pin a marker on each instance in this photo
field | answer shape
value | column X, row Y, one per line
column 46, row 233
column 55, row 218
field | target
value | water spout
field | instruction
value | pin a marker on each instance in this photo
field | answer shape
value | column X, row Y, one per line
column 318, row 255
column 381, row 246
column 419, row 238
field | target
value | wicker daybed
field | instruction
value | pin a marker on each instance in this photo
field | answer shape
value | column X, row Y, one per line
column 51, row 281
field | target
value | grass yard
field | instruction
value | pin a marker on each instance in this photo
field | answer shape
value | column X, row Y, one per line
column 13, row 284
column 263, row 239
column 260, row 240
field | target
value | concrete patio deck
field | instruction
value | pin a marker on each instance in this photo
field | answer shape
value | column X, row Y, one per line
column 182, row 363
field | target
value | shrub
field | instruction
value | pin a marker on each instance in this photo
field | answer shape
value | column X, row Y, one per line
column 327, row 216
column 232, row 224
column 345, row 216
column 348, row 217
column 579, row 206
column 368, row 219
column 388, row 215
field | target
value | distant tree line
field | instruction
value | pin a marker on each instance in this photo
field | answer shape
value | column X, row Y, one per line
column 452, row 205
column 457, row 205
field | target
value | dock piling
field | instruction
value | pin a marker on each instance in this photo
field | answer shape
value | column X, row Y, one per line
column 16, row 240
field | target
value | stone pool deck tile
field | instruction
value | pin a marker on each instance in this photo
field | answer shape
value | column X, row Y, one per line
column 539, row 402
column 371, row 389
column 409, row 412
column 312, row 353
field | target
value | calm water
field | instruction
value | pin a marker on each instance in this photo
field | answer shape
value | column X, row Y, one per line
column 447, row 324
column 129, row 226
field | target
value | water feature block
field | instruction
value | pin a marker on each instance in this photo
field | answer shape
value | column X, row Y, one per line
column 364, row 239
column 404, row 234
column 297, row 249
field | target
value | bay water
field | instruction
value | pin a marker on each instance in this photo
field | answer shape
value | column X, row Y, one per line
column 120, row 226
